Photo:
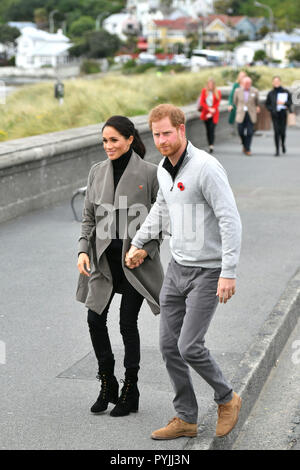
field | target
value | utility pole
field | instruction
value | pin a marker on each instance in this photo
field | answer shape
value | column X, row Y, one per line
column 262, row 5
column 51, row 20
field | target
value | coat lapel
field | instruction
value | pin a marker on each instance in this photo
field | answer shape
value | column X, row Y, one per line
column 132, row 184
column 103, row 185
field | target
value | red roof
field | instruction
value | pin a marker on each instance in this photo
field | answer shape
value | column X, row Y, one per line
column 179, row 23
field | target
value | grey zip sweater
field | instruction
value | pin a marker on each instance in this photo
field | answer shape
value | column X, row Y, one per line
column 205, row 225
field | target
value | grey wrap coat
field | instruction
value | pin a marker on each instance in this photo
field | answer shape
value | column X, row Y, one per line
column 136, row 189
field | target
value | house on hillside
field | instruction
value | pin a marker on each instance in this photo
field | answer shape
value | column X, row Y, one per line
column 37, row 48
column 217, row 29
column 133, row 22
column 244, row 26
column 244, row 53
column 277, row 45
column 260, row 23
column 168, row 34
column 225, row 28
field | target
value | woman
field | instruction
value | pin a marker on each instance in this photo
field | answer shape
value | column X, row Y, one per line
column 231, row 106
column 279, row 103
column 209, row 103
column 118, row 189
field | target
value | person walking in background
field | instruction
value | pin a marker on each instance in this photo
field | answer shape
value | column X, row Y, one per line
column 123, row 180
column 231, row 105
column 195, row 195
column 209, row 102
column 246, row 100
column 279, row 101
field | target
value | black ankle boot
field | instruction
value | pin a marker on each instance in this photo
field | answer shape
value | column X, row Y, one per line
column 109, row 392
column 129, row 398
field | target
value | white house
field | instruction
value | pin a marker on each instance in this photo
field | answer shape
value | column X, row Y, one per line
column 244, row 53
column 277, row 45
column 193, row 8
column 37, row 48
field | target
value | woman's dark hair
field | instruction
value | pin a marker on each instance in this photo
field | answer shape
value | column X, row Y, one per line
column 126, row 128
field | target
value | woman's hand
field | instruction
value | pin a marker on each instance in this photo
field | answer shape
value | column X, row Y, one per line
column 83, row 264
column 135, row 257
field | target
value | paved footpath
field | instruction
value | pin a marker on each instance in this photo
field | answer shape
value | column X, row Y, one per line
column 48, row 378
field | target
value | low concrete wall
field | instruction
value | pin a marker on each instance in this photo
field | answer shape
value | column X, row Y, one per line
column 64, row 71
column 36, row 172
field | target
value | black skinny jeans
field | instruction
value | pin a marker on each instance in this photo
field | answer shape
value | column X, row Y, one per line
column 131, row 303
column 279, row 123
column 210, row 130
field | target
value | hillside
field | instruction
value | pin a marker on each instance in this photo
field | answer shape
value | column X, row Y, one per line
column 286, row 12
column 68, row 10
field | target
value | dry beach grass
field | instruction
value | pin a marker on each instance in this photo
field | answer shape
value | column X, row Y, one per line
column 32, row 110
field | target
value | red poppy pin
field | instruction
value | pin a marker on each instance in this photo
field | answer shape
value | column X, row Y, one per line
column 180, row 186
column 141, row 186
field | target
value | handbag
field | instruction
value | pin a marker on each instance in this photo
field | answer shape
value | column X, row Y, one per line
column 291, row 120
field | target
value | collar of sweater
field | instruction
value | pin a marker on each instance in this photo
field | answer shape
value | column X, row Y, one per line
column 121, row 162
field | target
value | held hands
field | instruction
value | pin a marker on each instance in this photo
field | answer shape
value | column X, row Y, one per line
column 226, row 289
column 83, row 264
column 135, row 257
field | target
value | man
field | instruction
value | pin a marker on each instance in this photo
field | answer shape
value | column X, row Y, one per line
column 194, row 194
column 246, row 100
column 279, row 100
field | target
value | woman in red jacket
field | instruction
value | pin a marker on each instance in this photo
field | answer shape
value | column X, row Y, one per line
column 208, row 104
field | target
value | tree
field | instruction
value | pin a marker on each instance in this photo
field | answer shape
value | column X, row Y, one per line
column 227, row 6
column 102, row 44
column 81, row 26
column 259, row 55
column 41, row 18
column 8, row 35
column 294, row 54
column 96, row 44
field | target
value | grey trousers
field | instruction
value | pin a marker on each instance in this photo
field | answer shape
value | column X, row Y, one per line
column 188, row 301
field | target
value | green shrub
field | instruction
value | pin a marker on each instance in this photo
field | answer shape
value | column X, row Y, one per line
column 129, row 65
column 90, row 66
column 230, row 75
column 141, row 68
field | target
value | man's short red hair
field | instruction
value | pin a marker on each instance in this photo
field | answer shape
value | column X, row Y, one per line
column 175, row 114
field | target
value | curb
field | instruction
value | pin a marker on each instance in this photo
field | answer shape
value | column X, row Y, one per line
column 254, row 368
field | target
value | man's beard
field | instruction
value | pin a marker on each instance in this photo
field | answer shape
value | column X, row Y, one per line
column 170, row 149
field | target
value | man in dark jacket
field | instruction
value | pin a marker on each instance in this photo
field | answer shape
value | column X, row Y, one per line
column 279, row 101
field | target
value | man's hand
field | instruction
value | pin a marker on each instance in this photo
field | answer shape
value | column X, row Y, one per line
column 257, row 109
column 83, row 264
column 230, row 107
column 226, row 289
column 135, row 257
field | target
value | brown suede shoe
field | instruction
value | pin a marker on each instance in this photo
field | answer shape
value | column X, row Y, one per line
column 176, row 428
column 228, row 415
